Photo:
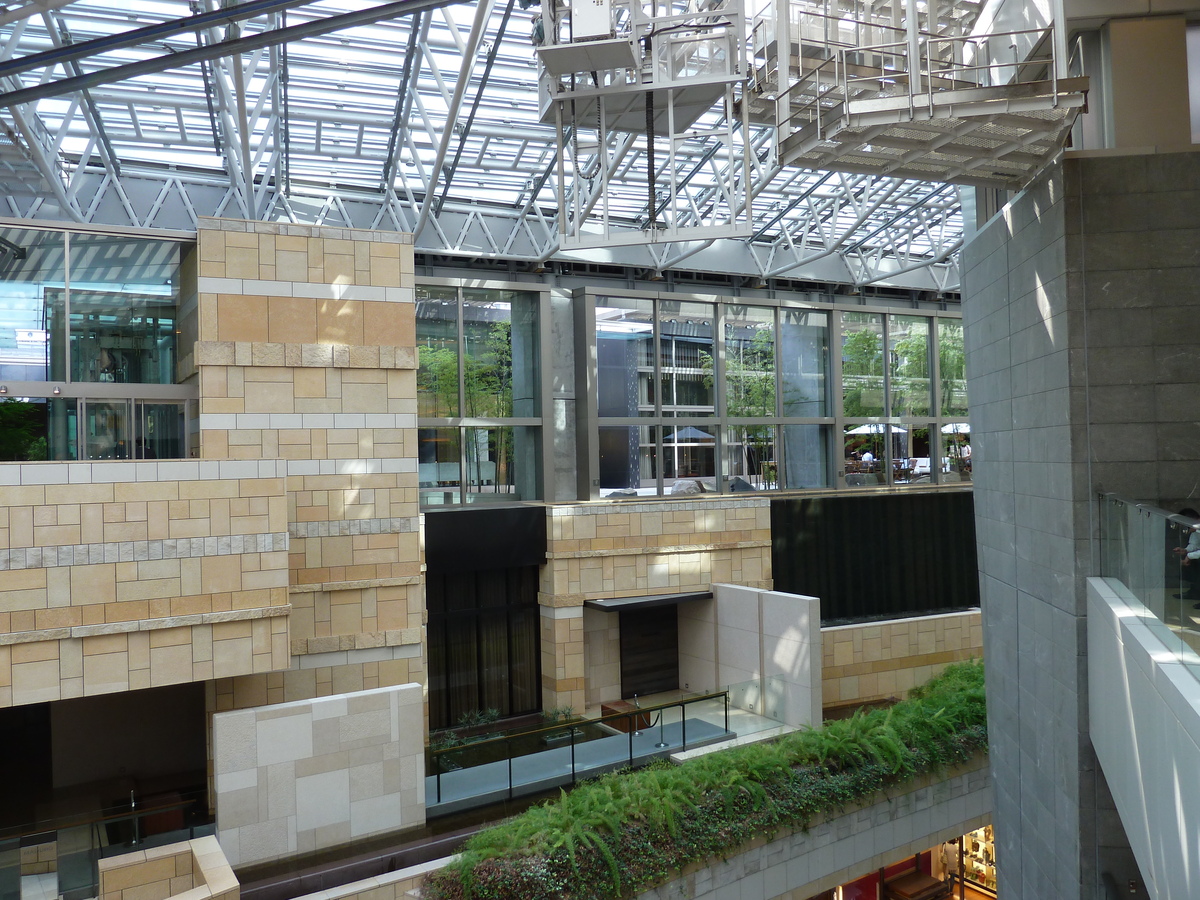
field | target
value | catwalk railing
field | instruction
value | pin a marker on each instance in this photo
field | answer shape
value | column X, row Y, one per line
column 1145, row 548
column 485, row 769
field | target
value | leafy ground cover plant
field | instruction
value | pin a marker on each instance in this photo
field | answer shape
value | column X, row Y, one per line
column 629, row 830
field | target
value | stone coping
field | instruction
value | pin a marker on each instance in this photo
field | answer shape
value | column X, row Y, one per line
column 84, row 631
column 665, row 547
column 959, row 614
column 329, row 232
column 211, row 874
column 140, row 471
column 606, row 507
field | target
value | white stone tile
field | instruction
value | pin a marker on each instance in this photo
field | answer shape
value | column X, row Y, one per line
column 284, row 739
column 45, row 473
column 375, row 814
column 322, row 799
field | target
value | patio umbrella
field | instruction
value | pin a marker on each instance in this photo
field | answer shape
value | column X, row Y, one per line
column 956, row 428
column 689, row 433
column 874, row 428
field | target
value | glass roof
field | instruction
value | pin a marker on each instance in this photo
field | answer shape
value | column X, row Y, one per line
column 360, row 114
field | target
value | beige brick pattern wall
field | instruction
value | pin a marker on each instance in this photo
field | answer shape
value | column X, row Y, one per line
column 39, row 858
column 197, row 868
column 598, row 550
column 877, row 660
column 562, row 658
column 126, row 575
column 602, row 651
column 306, row 352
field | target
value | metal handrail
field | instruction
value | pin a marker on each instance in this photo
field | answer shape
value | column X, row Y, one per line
column 573, row 728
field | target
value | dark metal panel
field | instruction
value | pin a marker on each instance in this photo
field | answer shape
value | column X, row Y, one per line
column 649, row 651
column 882, row 556
column 468, row 540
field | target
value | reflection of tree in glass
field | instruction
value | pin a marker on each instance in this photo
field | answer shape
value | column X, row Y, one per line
column 487, row 390
column 862, row 368
column 910, row 373
column 22, row 427
column 749, row 393
column 952, row 369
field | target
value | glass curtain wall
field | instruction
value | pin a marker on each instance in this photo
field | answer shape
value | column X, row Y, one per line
column 739, row 394
column 900, row 399
column 478, row 403
column 87, row 323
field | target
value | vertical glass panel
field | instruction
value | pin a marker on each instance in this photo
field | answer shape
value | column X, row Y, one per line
column 491, row 468
column 952, row 369
column 804, row 362
column 437, row 352
column 161, row 431
column 956, row 451
column 923, row 461
column 908, row 346
column 10, row 869
column 749, row 361
column 862, row 364
column 108, row 429
column 501, row 367
column 750, row 459
column 62, row 429
column 686, row 348
column 439, row 468
column 629, row 461
column 806, row 456
column 689, row 459
column 31, row 274
column 865, row 458
column 625, row 357
column 124, row 298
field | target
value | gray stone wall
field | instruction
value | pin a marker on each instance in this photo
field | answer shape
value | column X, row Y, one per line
column 1080, row 302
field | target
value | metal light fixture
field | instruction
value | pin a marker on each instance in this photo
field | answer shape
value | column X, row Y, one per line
column 3, row 388
column 58, row 390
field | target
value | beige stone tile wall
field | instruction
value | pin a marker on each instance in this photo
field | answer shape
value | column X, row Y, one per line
column 562, row 658
column 197, row 868
column 598, row 550
column 306, row 352
column 126, row 575
column 618, row 549
column 877, row 660
column 299, row 777
column 602, row 653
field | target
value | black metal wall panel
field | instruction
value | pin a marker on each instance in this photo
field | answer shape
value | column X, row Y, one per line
column 874, row 557
column 471, row 539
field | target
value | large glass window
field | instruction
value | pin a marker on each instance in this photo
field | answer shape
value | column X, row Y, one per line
column 478, row 395
column 85, row 319
column 672, row 359
column 908, row 355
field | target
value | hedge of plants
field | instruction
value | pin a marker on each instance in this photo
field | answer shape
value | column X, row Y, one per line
column 628, row 831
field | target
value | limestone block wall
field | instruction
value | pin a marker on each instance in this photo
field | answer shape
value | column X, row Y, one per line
column 602, row 651
column 196, row 869
column 873, row 661
column 302, row 776
column 133, row 574
column 619, row 549
column 766, row 643
column 598, row 550
column 306, row 351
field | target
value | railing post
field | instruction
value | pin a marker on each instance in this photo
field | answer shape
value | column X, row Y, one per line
column 508, row 753
column 437, row 774
column 572, row 754
column 727, row 712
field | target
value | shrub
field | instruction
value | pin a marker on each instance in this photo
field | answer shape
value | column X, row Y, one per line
column 627, row 831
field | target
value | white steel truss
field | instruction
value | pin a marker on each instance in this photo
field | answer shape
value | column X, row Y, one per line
column 417, row 115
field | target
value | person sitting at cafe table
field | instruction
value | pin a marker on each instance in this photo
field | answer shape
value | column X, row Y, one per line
column 868, row 460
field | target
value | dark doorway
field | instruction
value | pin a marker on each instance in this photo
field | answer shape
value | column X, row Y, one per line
column 649, row 651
